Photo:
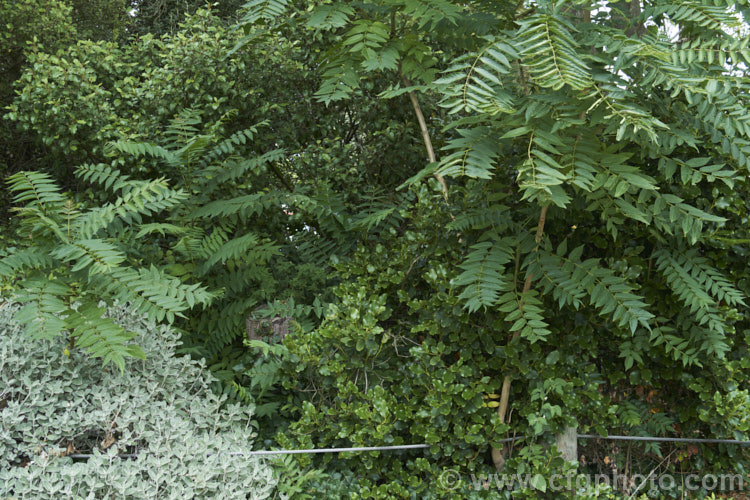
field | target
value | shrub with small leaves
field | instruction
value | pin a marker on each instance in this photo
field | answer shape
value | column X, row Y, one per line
column 161, row 409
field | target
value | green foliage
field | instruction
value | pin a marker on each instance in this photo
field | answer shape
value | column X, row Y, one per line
column 71, row 259
column 483, row 271
column 161, row 409
column 69, row 127
column 399, row 354
column 241, row 217
column 553, row 99
column 296, row 483
column 99, row 92
column 366, row 40
column 44, row 21
column 109, row 20
column 591, row 248
column 28, row 27
column 163, row 17
column 590, row 115
column 550, row 52
column 480, row 87
column 267, row 10
column 569, row 278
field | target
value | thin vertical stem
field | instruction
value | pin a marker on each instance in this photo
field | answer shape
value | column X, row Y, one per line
column 498, row 456
column 426, row 136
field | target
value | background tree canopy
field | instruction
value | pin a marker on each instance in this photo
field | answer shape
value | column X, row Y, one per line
column 486, row 219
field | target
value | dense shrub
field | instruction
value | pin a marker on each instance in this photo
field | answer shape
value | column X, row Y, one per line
column 54, row 403
column 398, row 360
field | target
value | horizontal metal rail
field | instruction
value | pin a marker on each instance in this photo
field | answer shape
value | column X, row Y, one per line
column 665, row 439
column 423, row 446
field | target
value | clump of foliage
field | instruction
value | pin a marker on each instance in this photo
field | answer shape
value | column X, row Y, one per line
column 137, row 236
column 73, row 101
column 161, row 409
column 73, row 259
column 230, row 217
column 32, row 27
column 397, row 357
column 42, row 21
column 159, row 17
column 591, row 165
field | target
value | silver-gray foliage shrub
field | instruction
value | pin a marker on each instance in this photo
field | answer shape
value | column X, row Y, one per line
column 160, row 409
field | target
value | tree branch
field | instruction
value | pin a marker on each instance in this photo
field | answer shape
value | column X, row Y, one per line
column 426, row 136
column 636, row 28
column 498, row 456
column 281, row 177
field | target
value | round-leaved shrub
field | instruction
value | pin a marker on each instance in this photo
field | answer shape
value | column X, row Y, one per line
column 181, row 438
